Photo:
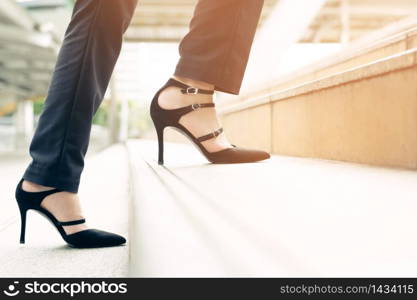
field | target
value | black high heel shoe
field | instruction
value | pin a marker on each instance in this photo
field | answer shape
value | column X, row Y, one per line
column 163, row 118
column 89, row 238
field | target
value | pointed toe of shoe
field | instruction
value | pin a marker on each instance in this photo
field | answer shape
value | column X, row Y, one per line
column 94, row 238
column 238, row 155
column 262, row 155
column 256, row 155
column 116, row 240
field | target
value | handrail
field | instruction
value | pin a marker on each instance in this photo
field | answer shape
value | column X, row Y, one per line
column 388, row 35
column 399, row 61
column 372, row 41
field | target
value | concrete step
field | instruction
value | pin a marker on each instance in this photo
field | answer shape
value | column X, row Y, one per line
column 366, row 114
column 104, row 194
column 283, row 217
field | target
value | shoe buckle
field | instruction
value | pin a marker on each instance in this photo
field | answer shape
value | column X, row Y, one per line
column 192, row 90
column 195, row 106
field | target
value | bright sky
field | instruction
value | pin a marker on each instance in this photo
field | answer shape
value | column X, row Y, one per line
column 143, row 68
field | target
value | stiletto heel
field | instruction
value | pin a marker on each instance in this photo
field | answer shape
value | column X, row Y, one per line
column 160, row 134
column 170, row 118
column 89, row 238
column 22, row 225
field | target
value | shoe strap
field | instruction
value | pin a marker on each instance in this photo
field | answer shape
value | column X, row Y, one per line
column 70, row 223
column 190, row 108
column 193, row 91
column 35, row 197
column 186, row 89
column 177, row 113
column 210, row 135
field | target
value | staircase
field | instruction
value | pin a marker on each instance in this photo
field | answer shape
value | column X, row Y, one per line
column 359, row 105
column 286, row 216
column 106, row 193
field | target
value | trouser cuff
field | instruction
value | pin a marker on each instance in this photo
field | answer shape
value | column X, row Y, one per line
column 207, row 73
column 47, row 178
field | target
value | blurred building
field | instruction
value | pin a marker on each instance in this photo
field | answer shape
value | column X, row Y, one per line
column 27, row 55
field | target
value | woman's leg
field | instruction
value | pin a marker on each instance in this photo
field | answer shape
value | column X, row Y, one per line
column 214, row 55
column 85, row 63
column 217, row 47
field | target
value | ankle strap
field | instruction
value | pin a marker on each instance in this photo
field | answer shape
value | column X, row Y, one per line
column 34, row 197
column 186, row 89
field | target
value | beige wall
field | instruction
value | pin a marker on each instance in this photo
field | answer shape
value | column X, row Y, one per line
column 372, row 121
column 251, row 127
column 367, row 115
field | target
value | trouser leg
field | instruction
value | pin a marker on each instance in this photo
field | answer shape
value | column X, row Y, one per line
column 216, row 49
column 85, row 63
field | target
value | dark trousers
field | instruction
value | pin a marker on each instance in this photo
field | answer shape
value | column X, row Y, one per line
column 215, row 50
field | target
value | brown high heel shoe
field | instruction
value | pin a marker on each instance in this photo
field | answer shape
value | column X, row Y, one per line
column 163, row 118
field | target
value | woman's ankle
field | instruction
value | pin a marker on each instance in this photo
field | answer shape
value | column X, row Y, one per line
column 194, row 83
column 172, row 98
column 32, row 187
